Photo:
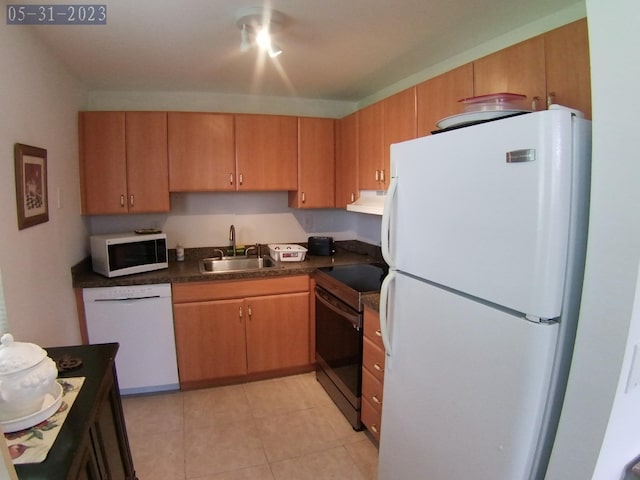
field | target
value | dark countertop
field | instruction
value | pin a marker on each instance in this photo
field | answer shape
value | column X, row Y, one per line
column 97, row 362
column 347, row 253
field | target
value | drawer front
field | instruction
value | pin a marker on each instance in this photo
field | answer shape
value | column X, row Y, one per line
column 371, row 419
column 373, row 359
column 372, row 327
column 371, row 389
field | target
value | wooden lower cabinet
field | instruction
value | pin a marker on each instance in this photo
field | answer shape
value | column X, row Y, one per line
column 210, row 340
column 277, row 332
column 229, row 331
column 373, row 357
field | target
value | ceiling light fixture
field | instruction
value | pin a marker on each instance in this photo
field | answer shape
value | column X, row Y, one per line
column 256, row 25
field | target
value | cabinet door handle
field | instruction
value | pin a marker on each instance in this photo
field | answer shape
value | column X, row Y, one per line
column 534, row 103
column 304, row 198
column 382, row 176
column 378, row 367
column 374, row 428
column 122, row 201
column 353, row 197
column 241, row 179
column 551, row 99
column 376, row 400
column 378, row 333
column 231, row 179
column 240, row 312
column 249, row 312
column 377, row 175
column 131, row 200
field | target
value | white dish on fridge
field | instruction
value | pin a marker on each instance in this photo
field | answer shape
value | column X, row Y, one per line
column 470, row 117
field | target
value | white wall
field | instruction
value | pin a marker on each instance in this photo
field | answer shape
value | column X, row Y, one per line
column 203, row 219
column 39, row 102
column 600, row 422
column 216, row 102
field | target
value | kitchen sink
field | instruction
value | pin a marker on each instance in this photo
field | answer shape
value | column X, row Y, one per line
column 235, row 264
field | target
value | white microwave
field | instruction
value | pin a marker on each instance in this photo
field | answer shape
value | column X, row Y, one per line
column 114, row 255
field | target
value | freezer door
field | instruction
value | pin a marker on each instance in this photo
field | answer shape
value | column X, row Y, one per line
column 465, row 388
column 486, row 210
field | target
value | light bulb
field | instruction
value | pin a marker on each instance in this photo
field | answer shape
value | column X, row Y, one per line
column 263, row 39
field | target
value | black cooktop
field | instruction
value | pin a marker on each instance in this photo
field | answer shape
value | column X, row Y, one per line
column 361, row 277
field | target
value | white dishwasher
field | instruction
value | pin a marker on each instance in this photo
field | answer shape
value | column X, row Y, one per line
column 140, row 319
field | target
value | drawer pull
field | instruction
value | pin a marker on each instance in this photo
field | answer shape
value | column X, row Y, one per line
column 378, row 333
column 378, row 367
column 374, row 428
column 376, row 400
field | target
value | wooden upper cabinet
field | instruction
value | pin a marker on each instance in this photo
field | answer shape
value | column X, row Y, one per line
column 267, row 152
column 346, row 160
column 201, row 152
column 103, row 164
column 568, row 68
column 123, row 162
column 399, row 112
column 438, row 97
column 370, row 147
column 316, row 164
column 147, row 163
column 516, row 69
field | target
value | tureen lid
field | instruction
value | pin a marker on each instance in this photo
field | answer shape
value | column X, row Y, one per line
column 17, row 356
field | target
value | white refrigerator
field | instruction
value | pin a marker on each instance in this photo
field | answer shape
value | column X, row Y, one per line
column 484, row 230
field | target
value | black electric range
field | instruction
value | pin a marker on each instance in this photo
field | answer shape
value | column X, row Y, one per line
column 339, row 332
column 350, row 282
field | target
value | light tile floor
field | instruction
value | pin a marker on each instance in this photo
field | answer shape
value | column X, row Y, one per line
column 280, row 429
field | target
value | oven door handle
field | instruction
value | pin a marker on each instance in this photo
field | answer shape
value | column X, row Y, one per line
column 354, row 319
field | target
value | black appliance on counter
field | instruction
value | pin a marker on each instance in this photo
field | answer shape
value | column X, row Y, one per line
column 321, row 246
column 339, row 331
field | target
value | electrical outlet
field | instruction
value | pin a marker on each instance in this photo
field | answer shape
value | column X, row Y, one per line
column 634, row 372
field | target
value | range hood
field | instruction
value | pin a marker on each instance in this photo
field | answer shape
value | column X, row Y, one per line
column 370, row 201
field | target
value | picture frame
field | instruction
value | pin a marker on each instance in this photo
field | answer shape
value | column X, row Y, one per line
column 32, row 192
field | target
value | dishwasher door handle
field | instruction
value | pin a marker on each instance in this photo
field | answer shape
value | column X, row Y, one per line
column 125, row 299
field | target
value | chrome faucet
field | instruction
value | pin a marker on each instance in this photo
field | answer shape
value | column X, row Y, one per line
column 232, row 239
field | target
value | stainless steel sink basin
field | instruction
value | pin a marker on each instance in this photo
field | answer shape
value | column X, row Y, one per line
column 235, row 264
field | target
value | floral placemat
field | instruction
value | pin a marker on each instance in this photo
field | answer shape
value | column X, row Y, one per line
column 33, row 444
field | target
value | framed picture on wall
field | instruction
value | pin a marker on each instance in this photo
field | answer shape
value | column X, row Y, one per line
column 31, row 185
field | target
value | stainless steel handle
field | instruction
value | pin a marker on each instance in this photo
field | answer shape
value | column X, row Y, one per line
column 551, row 99
column 376, row 400
column 351, row 318
column 534, row 103
column 122, row 201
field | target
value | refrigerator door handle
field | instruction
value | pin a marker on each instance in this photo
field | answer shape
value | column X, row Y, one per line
column 384, row 307
column 386, row 222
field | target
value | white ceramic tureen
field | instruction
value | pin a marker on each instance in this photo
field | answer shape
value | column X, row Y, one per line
column 26, row 375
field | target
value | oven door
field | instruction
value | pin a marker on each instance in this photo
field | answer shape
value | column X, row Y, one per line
column 339, row 344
